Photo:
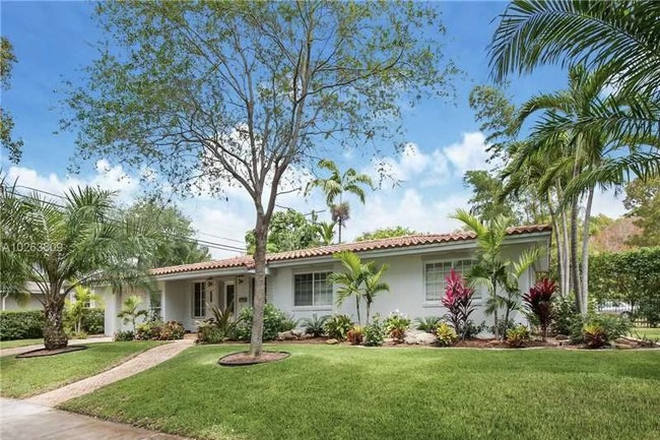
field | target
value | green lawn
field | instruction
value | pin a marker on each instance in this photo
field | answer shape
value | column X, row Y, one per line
column 20, row 343
column 649, row 332
column 26, row 377
column 339, row 392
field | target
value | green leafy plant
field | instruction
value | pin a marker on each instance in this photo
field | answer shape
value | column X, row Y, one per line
column 337, row 326
column 159, row 331
column 565, row 315
column 446, row 335
column 315, row 325
column 374, row 333
column 130, row 310
column 224, row 319
column 124, row 335
column 209, row 333
column 600, row 329
column 594, row 335
column 396, row 325
column 275, row 321
column 77, row 310
column 428, row 324
column 355, row 335
column 517, row 336
column 21, row 324
column 539, row 303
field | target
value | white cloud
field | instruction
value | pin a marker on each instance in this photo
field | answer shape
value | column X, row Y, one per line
column 469, row 154
column 607, row 202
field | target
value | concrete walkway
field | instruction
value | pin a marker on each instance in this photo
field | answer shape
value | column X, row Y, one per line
column 19, row 350
column 21, row 420
column 139, row 363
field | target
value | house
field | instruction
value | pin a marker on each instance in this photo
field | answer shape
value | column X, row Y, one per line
column 296, row 280
column 33, row 299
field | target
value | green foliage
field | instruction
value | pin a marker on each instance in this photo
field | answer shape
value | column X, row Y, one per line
column 288, row 231
column 565, row 315
column 337, row 326
column 355, row 335
column 7, row 59
column 517, row 336
column 381, row 233
column 77, row 310
column 446, row 335
column 159, row 331
column 130, row 310
column 428, row 324
column 207, row 333
column 21, row 324
column 94, row 321
column 632, row 277
column 223, row 320
column 472, row 330
column 275, row 321
column 396, row 325
column 600, row 329
column 124, row 335
column 374, row 333
column 643, row 202
column 315, row 325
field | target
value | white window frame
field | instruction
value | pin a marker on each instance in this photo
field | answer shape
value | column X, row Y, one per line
column 479, row 294
column 313, row 306
column 203, row 305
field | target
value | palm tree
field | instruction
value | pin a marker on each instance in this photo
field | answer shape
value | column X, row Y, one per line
column 373, row 285
column 130, row 310
column 492, row 269
column 336, row 185
column 326, row 231
column 350, row 280
column 60, row 247
column 78, row 309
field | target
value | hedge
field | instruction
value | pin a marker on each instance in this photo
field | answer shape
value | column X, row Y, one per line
column 28, row 324
column 632, row 277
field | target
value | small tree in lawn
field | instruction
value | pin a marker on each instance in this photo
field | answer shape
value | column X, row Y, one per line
column 210, row 94
column 458, row 302
column 130, row 310
column 538, row 301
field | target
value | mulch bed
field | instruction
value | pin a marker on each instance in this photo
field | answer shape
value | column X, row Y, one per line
column 242, row 358
column 41, row 352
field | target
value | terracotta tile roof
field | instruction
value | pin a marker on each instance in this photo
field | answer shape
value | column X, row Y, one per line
column 362, row 246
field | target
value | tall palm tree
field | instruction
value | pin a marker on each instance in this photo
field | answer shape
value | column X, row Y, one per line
column 336, row 185
column 62, row 246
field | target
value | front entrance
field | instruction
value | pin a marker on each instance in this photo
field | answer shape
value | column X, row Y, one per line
column 230, row 296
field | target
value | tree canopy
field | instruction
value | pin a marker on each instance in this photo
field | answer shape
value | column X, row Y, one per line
column 7, row 60
column 643, row 204
column 288, row 230
column 378, row 234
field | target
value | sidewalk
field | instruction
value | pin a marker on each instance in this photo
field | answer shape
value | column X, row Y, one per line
column 21, row 420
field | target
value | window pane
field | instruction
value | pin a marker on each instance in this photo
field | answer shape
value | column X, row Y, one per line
column 322, row 290
column 435, row 280
column 199, row 299
column 303, row 290
column 463, row 267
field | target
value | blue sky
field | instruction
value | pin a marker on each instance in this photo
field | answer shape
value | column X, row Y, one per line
column 54, row 40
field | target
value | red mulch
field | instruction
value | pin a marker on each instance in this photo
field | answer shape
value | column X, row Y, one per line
column 43, row 352
column 242, row 358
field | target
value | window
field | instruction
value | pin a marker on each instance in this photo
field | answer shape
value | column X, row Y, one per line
column 155, row 305
column 312, row 289
column 199, row 300
column 435, row 274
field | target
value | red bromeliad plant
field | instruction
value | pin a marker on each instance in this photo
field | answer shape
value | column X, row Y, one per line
column 458, row 301
column 539, row 302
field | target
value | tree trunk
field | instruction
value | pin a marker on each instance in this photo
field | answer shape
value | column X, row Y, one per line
column 557, row 235
column 54, row 335
column 497, row 306
column 368, row 311
column 566, row 281
column 576, row 286
column 339, row 222
column 256, row 339
column 585, row 253
column 357, row 307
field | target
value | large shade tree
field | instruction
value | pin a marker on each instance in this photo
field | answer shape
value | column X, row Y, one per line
column 7, row 139
column 218, row 94
column 63, row 244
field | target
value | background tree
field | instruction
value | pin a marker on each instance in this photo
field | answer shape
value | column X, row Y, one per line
column 79, row 308
column 62, row 246
column 334, row 187
column 381, row 233
column 326, row 232
column 643, row 204
column 7, row 60
column 288, row 230
column 174, row 234
column 216, row 93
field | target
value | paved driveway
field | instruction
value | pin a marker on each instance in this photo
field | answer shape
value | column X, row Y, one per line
column 20, row 420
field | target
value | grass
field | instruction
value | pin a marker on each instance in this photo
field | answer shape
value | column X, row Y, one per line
column 649, row 332
column 20, row 343
column 26, row 377
column 340, row 392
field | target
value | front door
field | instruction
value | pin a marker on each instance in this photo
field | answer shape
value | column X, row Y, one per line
column 230, row 296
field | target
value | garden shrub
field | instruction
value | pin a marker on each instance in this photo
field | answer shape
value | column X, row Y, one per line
column 275, row 321
column 355, row 335
column 600, row 329
column 374, row 333
column 209, row 333
column 124, row 335
column 428, row 324
column 566, row 317
column 538, row 303
column 517, row 336
column 315, row 326
column 472, row 330
column 21, row 324
column 94, row 321
column 396, row 325
column 337, row 326
column 446, row 335
column 159, row 331
column 458, row 301
column 594, row 335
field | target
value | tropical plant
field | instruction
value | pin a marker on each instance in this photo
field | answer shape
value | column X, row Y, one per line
column 446, row 335
column 337, row 326
column 428, row 324
column 458, row 302
column 326, row 232
column 79, row 309
column 124, row 335
column 275, row 321
column 315, row 325
column 373, row 284
column 538, row 302
column 517, row 336
column 160, row 331
column 130, row 310
column 334, row 187
column 374, row 333
column 355, row 335
column 350, row 280
column 396, row 325
column 224, row 319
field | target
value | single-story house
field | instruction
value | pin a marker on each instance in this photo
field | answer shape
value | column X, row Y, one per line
column 33, row 301
column 296, row 280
